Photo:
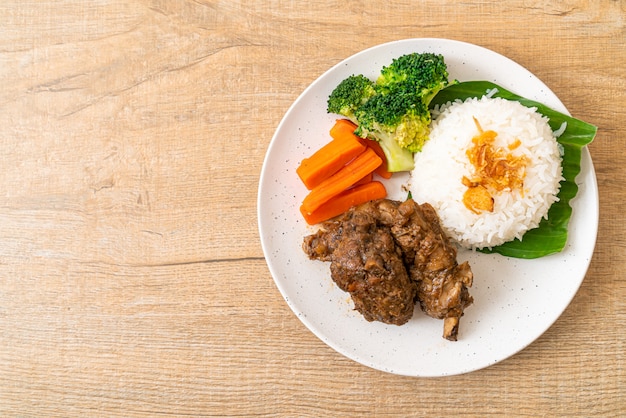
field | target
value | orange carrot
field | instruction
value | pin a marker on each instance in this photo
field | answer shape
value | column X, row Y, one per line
column 355, row 170
column 368, row 178
column 328, row 160
column 345, row 128
column 382, row 169
column 344, row 201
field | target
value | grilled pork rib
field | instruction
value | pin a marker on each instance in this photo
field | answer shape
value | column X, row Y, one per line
column 367, row 263
column 390, row 255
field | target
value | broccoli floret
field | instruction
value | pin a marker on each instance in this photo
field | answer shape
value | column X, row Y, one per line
column 350, row 94
column 394, row 109
column 425, row 74
column 399, row 122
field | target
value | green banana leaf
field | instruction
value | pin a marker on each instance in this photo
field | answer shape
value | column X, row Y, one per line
column 551, row 234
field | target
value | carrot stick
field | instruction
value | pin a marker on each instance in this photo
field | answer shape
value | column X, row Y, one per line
column 368, row 178
column 382, row 169
column 363, row 164
column 328, row 160
column 345, row 128
column 344, row 201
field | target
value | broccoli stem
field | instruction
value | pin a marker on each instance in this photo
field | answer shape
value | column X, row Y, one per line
column 398, row 158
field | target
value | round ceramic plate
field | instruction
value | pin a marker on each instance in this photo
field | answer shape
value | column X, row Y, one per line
column 515, row 300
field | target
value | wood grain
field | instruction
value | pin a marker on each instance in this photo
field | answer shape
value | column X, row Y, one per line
column 132, row 280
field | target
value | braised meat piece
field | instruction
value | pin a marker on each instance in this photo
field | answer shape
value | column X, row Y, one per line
column 390, row 255
column 442, row 284
column 320, row 246
column 367, row 263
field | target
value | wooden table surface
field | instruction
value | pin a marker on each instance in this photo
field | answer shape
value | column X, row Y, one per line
column 132, row 279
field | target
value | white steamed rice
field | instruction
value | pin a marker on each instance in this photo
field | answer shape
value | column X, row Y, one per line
column 443, row 162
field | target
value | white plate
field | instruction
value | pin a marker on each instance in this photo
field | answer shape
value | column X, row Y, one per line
column 515, row 301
